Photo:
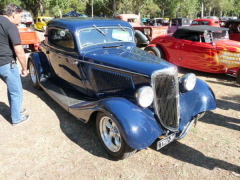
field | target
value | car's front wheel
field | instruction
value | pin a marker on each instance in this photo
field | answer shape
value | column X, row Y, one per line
column 155, row 51
column 111, row 138
column 33, row 74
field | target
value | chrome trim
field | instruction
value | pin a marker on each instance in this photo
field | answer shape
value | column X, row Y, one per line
column 186, row 128
column 173, row 72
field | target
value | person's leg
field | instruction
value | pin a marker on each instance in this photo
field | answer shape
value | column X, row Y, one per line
column 15, row 93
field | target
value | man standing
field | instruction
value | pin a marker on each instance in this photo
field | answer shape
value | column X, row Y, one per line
column 11, row 48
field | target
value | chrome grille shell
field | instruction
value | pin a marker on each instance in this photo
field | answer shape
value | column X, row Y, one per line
column 166, row 101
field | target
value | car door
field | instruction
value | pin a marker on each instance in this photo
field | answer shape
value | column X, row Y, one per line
column 65, row 60
column 174, row 50
column 197, row 55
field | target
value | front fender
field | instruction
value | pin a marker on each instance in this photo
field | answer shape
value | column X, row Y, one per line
column 141, row 38
column 137, row 125
column 200, row 99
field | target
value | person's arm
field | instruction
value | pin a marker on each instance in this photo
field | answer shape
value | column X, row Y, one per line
column 22, row 58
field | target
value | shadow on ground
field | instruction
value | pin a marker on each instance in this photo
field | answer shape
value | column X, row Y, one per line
column 5, row 112
column 84, row 135
column 219, row 78
column 182, row 152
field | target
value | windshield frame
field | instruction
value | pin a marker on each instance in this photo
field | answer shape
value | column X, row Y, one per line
column 213, row 37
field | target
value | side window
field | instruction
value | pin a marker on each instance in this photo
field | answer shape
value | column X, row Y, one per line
column 39, row 20
column 195, row 22
column 190, row 37
column 205, row 23
column 61, row 38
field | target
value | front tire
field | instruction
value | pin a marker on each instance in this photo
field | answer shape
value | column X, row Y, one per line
column 155, row 51
column 33, row 74
column 111, row 137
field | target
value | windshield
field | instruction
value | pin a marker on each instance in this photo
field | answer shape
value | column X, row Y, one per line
column 105, row 35
column 215, row 36
column 219, row 35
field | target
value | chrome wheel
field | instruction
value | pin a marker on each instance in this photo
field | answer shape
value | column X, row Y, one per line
column 110, row 134
column 32, row 73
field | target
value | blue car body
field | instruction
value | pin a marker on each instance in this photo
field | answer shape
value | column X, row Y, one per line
column 88, row 78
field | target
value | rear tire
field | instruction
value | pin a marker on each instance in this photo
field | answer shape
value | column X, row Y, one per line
column 33, row 73
column 111, row 138
column 238, row 77
column 155, row 51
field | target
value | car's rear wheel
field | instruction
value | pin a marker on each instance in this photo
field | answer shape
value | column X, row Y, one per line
column 33, row 74
column 111, row 138
column 155, row 51
column 238, row 77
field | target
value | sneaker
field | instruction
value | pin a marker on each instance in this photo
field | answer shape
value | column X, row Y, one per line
column 24, row 119
column 23, row 111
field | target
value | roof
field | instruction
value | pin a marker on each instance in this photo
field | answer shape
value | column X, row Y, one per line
column 202, row 28
column 229, row 22
column 74, row 23
column 212, row 20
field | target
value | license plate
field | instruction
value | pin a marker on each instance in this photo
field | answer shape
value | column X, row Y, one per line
column 25, row 46
column 165, row 141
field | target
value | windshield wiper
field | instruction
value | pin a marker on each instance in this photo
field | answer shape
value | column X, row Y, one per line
column 121, row 27
column 113, row 46
column 99, row 30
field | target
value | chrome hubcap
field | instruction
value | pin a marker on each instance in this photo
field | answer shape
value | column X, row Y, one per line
column 32, row 73
column 110, row 134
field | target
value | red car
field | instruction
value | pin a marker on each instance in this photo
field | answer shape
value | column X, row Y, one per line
column 210, row 22
column 203, row 48
column 234, row 29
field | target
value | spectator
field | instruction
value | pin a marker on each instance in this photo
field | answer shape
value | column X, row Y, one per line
column 11, row 48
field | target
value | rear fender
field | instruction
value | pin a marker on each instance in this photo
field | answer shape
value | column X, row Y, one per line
column 194, row 102
column 238, row 76
column 137, row 125
column 41, row 63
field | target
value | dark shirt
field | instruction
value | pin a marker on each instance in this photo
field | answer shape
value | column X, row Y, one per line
column 9, row 36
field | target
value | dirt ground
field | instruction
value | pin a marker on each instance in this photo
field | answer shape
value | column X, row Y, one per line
column 54, row 145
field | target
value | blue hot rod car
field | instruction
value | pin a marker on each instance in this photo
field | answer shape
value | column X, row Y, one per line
column 94, row 70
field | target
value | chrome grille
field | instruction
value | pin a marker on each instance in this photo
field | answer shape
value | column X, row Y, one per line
column 166, row 101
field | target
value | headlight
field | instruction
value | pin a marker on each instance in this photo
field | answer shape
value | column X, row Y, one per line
column 187, row 82
column 147, row 31
column 144, row 96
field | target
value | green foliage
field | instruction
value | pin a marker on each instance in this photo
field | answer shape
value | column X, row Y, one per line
column 145, row 8
column 3, row 3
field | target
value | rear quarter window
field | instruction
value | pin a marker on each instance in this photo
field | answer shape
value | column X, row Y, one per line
column 61, row 38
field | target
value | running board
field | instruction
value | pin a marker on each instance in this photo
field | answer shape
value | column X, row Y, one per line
column 62, row 96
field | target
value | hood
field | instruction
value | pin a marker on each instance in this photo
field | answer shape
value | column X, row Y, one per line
column 127, row 58
column 228, row 45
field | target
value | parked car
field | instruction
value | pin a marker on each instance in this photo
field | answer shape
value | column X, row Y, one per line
column 211, row 17
column 204, row 48
column 143, row 34
column 27, row 18
column 178, row 22
column 144, row 21
column 234, row 29
column 94, row 70
column 210, row 22
column 29, row 38
column 41, row 23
